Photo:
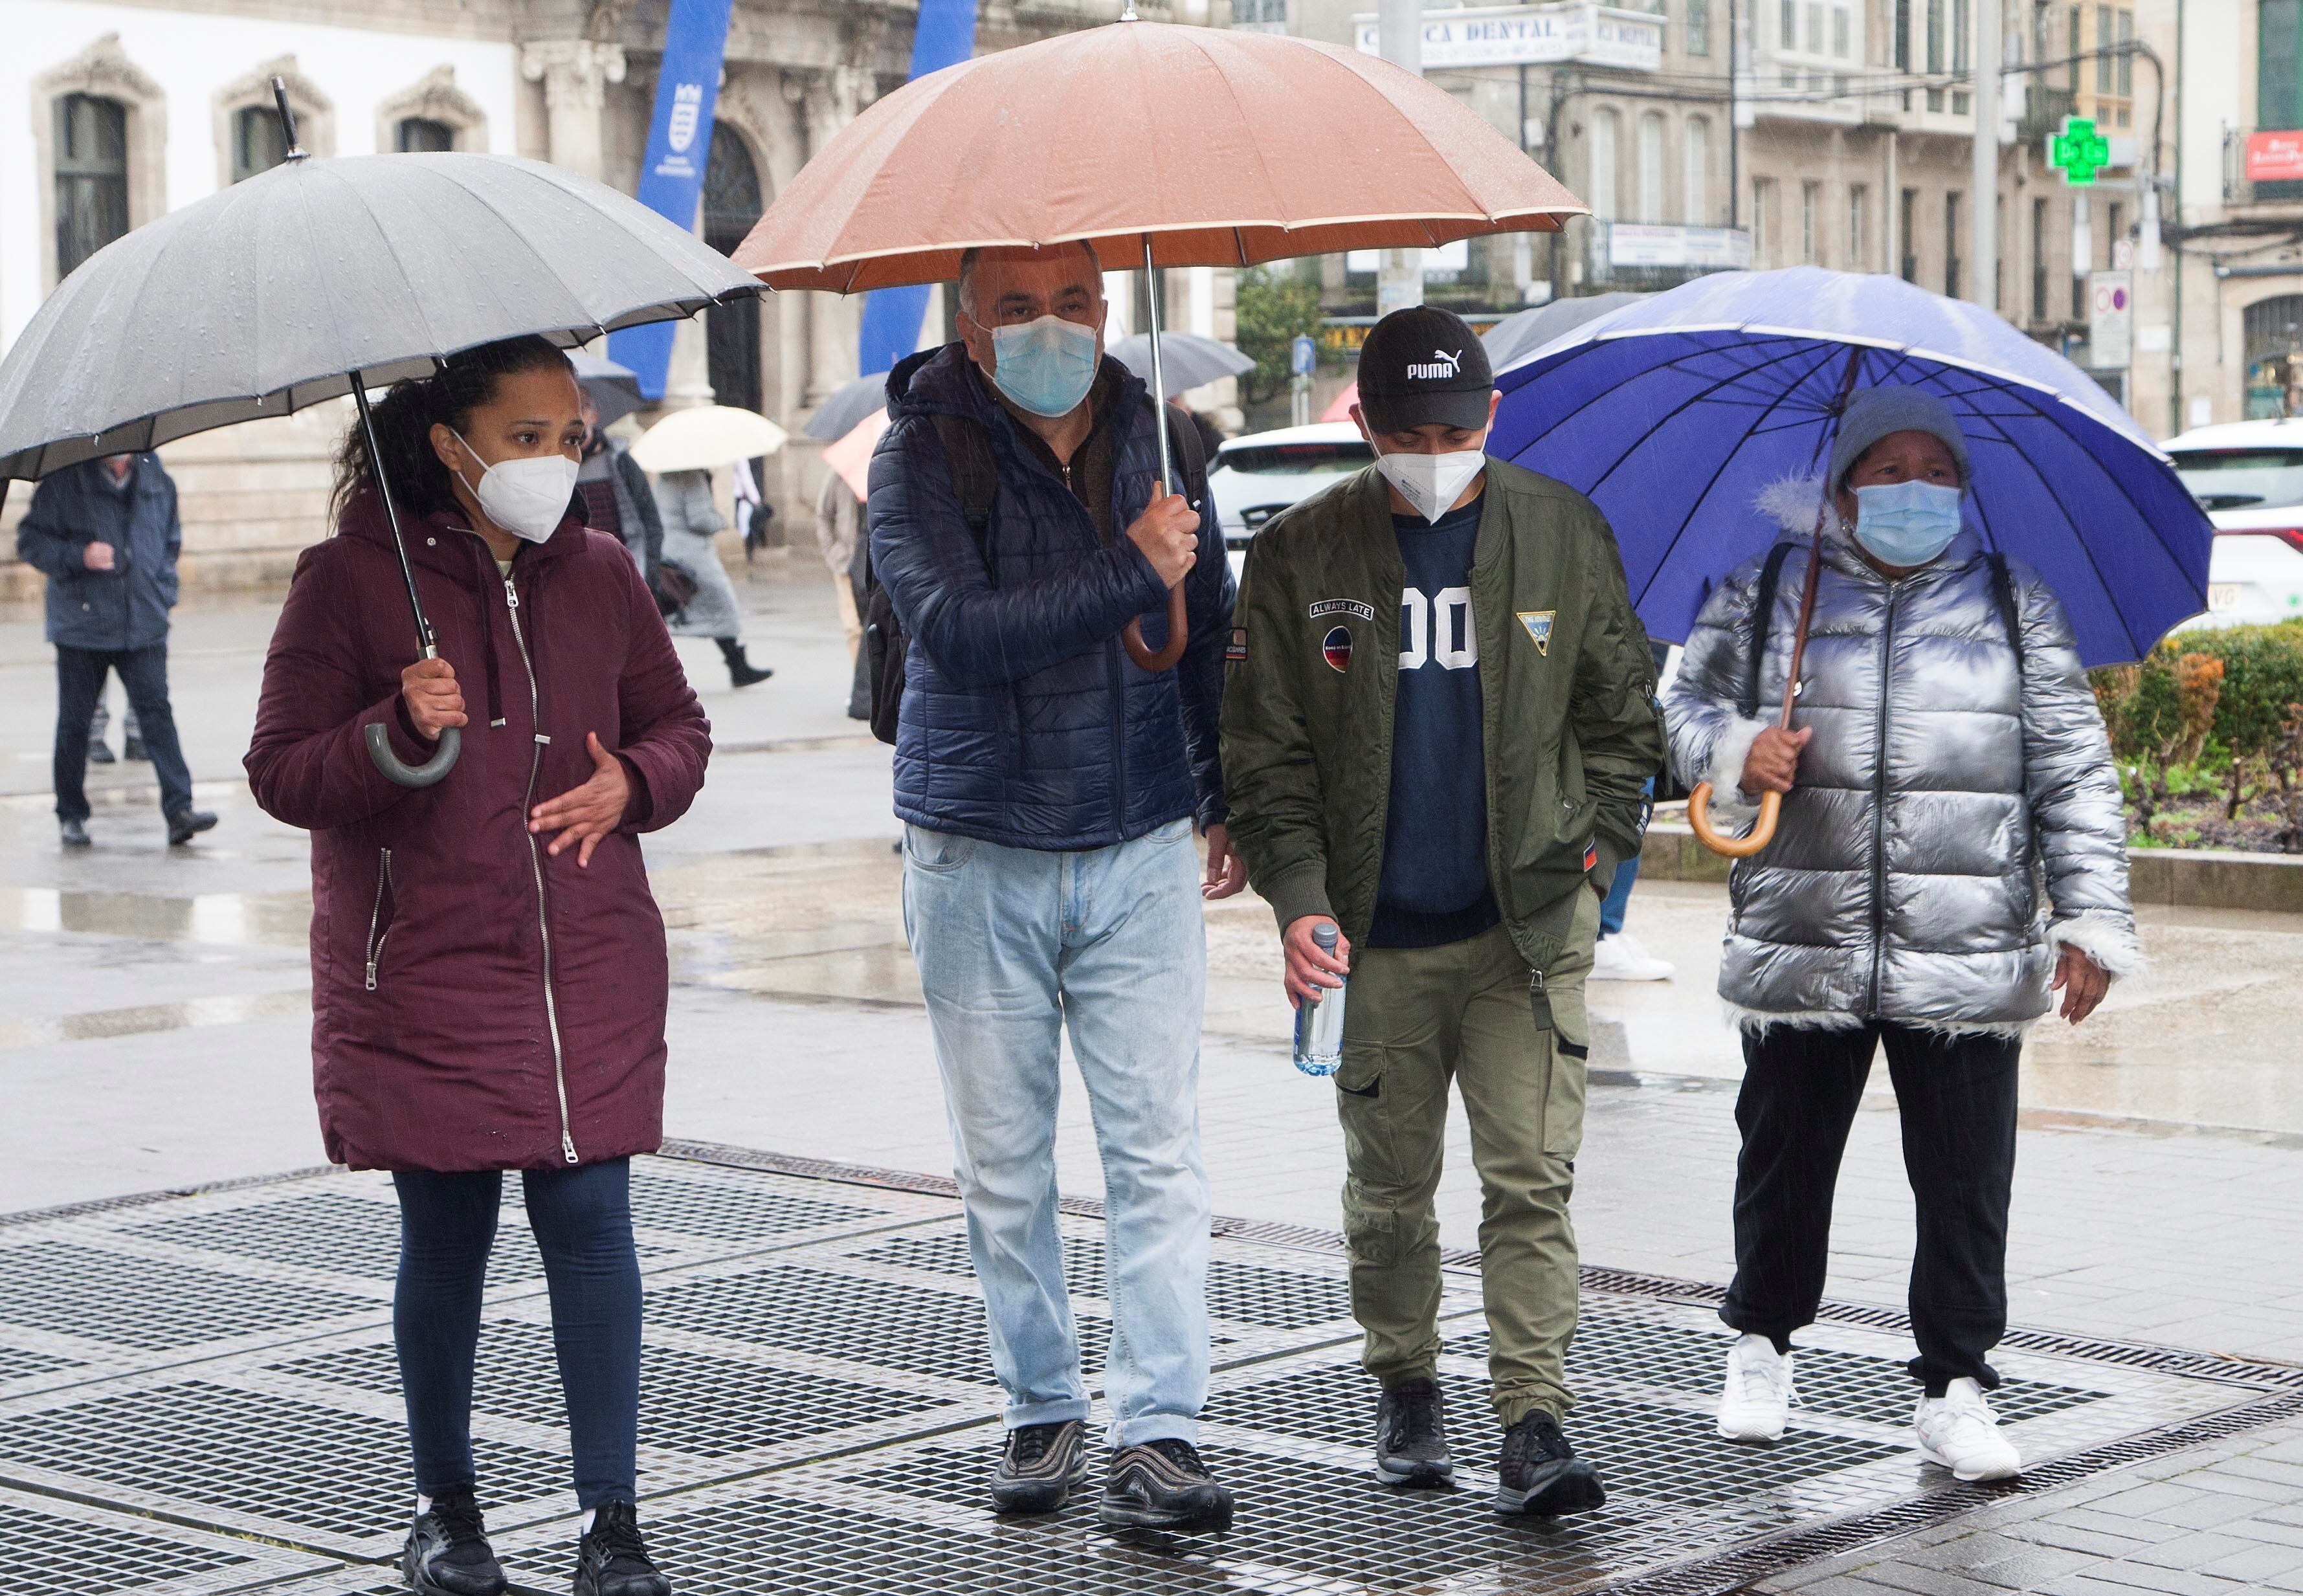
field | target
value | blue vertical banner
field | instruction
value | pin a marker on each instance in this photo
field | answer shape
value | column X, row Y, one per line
column 678, row 146
column 945, row 37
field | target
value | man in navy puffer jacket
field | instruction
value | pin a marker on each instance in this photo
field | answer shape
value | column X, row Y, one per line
column 1049, row 788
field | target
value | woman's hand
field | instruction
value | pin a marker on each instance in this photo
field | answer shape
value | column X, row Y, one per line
column 434, row 702
column 2082, row 982
column 1773, row 763
column 1308, row 968
column 587, row 812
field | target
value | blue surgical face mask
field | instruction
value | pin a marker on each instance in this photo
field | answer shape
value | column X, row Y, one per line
column 1906, row 523
column 1046, row 365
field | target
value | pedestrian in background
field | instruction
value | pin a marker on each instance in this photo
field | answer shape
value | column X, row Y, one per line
column 1947, row 763
column 838, row 517
column 618, row 498
column 1047, row 786
column 489, row 972
column 1521, row 709
column 132, row 736
column 691, row 541
column 106, row 534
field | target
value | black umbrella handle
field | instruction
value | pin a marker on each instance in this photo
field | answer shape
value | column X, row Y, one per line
column 379, row 737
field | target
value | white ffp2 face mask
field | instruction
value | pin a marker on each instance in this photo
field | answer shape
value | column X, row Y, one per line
column 1432, row 483
column 528, row 498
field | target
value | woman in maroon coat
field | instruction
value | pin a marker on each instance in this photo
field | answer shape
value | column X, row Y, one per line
column 488, row 968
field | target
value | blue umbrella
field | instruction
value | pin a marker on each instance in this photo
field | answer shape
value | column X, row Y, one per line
column 1674, row 413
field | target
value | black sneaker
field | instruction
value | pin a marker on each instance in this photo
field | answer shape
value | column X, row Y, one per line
column 185, row 824
column 448, row 1552
column 1040, row 1466
column 1162, row 1485
column 74, row 833
column 99, row 752
column 1540, row 1473
column 133, row 748
column 611, row 1560
column 1411, row 1436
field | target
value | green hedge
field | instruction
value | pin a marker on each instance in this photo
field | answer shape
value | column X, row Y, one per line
column 2262, row 676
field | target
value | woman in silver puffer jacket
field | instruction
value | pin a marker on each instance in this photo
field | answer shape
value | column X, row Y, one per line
column 1950, row 851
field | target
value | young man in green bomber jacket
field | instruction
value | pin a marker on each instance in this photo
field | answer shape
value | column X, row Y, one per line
column 1438, row 717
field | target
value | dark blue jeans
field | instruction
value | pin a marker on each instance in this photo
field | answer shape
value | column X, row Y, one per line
column 583, row 1223
column 80, row 684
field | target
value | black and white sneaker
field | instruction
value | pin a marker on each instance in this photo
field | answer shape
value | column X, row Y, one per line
column 448, row 1552
column 1539, row 1474
column 1040, row 1468
column 1411, row 1436
column 610, row 1559
column 1163, row 1485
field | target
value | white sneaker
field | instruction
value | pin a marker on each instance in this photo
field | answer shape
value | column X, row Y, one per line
column 1756, row 1402
column 1620, row 958
column 1959, row 1431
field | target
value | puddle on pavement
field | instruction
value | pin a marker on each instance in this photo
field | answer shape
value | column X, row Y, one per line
column 236, row 1009
column 221, row 919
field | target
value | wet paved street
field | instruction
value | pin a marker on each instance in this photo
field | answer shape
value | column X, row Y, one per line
column 155, row 1037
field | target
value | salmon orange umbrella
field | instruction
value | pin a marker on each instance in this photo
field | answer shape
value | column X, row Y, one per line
column 1161, row 145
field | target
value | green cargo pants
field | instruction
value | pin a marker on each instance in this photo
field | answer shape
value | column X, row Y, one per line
column 1473, row 1011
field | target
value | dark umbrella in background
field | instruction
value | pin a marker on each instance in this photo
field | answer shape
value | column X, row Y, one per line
column 325, row 277
column 1524, row 332
column 614, row 390
column 849, row 403
column 1191, row 361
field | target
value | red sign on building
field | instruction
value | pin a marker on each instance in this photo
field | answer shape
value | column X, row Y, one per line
column 2274, row 158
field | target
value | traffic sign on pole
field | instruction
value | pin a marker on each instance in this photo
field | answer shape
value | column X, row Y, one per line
column 1303, row 357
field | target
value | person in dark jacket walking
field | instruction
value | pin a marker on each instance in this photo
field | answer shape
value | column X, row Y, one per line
column 1440, row 721
column 488, row 966
column 618, row 498
column 106, row 534
column 1049, row 788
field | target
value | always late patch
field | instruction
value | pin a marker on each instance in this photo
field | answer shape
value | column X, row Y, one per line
column 1343, row 606
column 1236, row 651
column 1539, row 628
column 1336, row 648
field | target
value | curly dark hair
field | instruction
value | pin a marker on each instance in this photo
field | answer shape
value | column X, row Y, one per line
column 405, row 416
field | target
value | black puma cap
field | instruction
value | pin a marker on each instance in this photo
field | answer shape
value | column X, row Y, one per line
column 1423, row 365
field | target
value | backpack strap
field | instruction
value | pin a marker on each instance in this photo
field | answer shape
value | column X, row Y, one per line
column 976, row 476
column 2011, row 615
column 1762, row 616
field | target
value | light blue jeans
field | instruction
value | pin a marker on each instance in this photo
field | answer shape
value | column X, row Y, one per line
column 1016, row 946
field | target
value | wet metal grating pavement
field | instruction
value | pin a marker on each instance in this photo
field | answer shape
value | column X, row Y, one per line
column 197, row 1395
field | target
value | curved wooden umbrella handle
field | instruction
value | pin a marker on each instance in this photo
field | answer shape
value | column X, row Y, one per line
column 1762, row 833
column 1179, row 632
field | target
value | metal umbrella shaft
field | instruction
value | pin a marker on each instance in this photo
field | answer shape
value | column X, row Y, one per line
column 1178, row 610
column 379, row 736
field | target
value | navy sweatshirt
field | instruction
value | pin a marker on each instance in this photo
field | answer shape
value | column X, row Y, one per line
column 1434, row 889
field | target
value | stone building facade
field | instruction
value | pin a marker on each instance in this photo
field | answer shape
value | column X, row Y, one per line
column 111, row 114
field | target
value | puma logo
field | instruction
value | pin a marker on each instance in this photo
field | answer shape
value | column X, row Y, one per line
column 1440, row 365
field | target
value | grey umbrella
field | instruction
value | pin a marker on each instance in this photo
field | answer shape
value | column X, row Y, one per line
column 1522, row 332
column 1188, row 359
column 613, row 390
column 849, row 403
column 319, row 278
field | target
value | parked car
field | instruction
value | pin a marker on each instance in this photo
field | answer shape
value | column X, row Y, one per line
column 1255, row 478
column 2249, row 477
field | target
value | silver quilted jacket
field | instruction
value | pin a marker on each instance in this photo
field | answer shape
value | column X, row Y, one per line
column 1954, row 821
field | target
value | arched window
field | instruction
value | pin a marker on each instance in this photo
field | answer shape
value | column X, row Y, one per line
column 732, row 204
column 1697, row 180
column 420, row 134
column 1601, row 191
column 91, row 173
column 1651, row 159
column 259, row 142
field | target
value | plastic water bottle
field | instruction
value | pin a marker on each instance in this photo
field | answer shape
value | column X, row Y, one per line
column 1319, row 1025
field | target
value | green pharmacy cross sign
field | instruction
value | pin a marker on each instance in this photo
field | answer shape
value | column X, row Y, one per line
column 2079, row 151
